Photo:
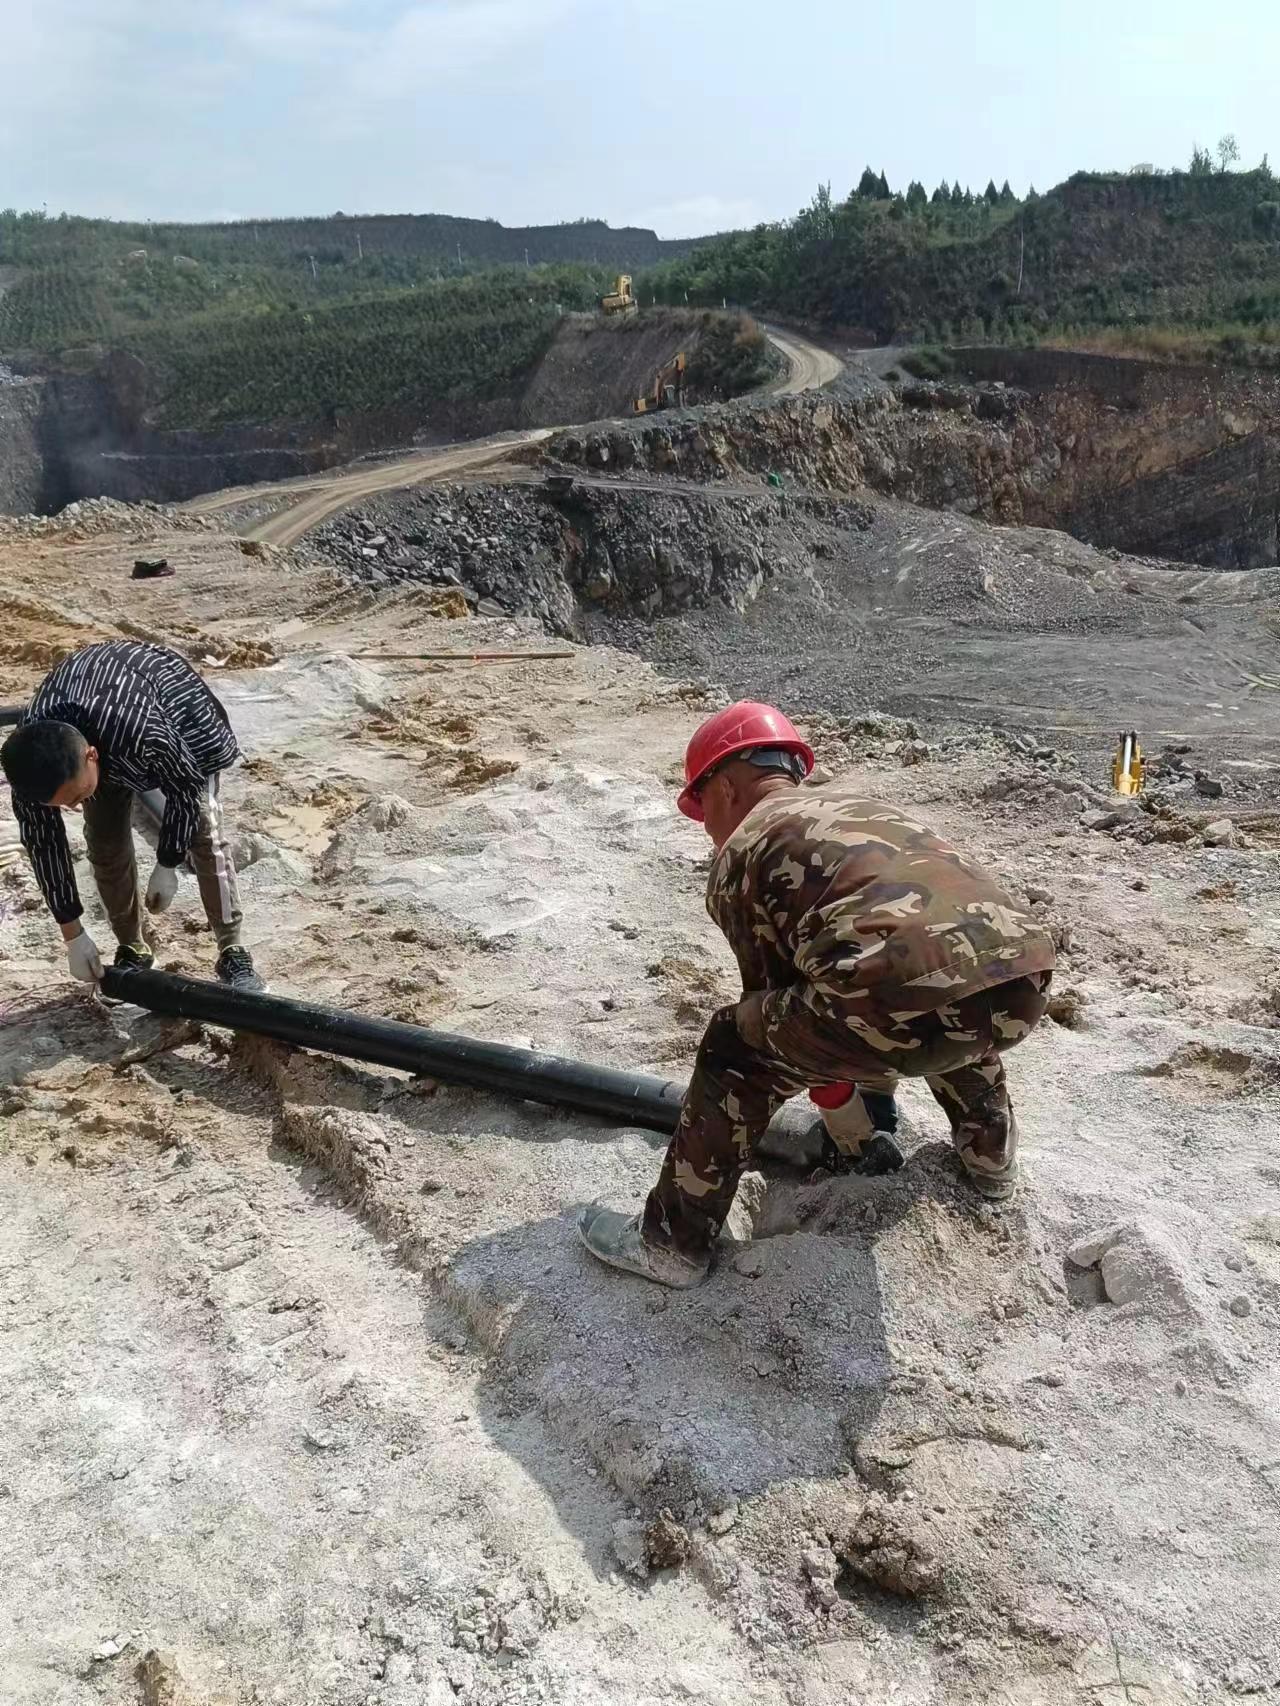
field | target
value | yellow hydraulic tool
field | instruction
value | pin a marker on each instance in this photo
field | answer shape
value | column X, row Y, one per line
column 1129, row 767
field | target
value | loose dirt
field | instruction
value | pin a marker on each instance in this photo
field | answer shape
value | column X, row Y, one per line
column 306, row 1384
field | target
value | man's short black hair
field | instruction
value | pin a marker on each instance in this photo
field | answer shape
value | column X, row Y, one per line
column 40, row 758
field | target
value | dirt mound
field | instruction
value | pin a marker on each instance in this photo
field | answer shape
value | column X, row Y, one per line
column 598, row 549
column 596, row 368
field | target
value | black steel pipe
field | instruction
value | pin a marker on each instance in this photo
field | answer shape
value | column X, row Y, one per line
column 9, row 715
column 627, row 1098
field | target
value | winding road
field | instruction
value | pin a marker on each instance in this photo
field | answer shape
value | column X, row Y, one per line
column 811, row 367
column 315, row 500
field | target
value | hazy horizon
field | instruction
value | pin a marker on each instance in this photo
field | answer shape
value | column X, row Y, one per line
column 537, row 111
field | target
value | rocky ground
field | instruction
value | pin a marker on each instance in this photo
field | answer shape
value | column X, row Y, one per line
column 847, row 604
column 308, row 1386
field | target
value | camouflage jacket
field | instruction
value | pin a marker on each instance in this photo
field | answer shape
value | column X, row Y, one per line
column 844, row 906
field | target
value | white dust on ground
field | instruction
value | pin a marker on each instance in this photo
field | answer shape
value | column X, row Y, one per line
column 307, row 1381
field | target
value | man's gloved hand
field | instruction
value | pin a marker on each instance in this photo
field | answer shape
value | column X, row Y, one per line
column 83, row 958
column 161, row 889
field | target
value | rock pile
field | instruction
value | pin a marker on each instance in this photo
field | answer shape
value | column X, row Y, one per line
column 524, row 552
column 93, row 517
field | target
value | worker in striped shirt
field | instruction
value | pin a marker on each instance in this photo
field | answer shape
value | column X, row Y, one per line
column 110, row 723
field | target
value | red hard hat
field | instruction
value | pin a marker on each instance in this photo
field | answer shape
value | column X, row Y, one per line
column 740, row 728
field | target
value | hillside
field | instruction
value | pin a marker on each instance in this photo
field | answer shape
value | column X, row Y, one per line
column 124, row 272
column 303, row 320
column 1198, row 248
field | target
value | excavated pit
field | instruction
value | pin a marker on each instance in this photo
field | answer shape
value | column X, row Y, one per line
column 1169, row 462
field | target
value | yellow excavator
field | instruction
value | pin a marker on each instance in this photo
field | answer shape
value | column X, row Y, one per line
column 620, row 299
column 667, row 390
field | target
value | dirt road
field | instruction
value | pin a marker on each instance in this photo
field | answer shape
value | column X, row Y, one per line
column 811, row 367
column 318, row 499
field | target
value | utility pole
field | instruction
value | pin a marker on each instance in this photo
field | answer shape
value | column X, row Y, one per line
column 526, row 257
column 459, row 256
column 359, row 246
column 314, row 274
column 1022, row 249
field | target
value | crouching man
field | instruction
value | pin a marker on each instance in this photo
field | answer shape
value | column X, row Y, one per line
column 869, row 950
column 116, row 720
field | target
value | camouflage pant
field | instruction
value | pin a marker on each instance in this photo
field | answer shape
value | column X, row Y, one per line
column 736, row 1090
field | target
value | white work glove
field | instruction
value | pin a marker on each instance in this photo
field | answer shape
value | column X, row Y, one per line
column 83, row 958
column 161, row 889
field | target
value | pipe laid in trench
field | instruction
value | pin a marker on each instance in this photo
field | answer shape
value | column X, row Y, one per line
column 624, row 1098
column 10, row 715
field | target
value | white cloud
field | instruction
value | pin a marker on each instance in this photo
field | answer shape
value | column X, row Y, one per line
column 392, row 54
column 443, row 37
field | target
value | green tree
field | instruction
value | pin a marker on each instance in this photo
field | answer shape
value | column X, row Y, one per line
column 883, row 191
column 917, row 196
column 991, row 194
column 941, row 194
column 1201, row 162
column 1228, row 152
column 957, row 194
column 1006, row 193
column 868, row 186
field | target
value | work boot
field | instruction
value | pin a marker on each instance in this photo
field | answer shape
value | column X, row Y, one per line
column 617, row 1240
column 995, row 1187
column 134, row 956
column 235, row 969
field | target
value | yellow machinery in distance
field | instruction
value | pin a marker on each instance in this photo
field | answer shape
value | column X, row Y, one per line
column 620, row 299
column 667, row 391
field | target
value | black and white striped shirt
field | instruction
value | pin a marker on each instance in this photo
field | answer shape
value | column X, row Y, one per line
column 155, row 725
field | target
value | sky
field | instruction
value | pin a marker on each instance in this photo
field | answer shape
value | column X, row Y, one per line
column 689, row 116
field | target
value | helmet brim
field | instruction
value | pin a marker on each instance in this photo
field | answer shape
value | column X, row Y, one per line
column 690, row 805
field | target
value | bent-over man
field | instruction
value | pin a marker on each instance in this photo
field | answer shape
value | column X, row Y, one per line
column 869, row 949
column 113, row 721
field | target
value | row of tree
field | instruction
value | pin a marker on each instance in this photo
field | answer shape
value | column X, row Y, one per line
column 874, row 186
column 1181, row 246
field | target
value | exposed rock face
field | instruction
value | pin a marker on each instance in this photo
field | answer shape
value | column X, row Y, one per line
column 21, row 456
column 1169, row 462
column 599, row 549
column 70, row 435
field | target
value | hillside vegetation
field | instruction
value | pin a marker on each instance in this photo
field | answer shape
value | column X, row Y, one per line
column 1198, row 249
column 301, row 319
column 297, row 319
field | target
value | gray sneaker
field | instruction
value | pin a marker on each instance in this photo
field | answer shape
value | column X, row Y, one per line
column 617, row 1240
column 235, row 969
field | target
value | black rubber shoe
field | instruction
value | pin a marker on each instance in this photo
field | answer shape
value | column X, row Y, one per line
column 235, row 969
column 134, row 956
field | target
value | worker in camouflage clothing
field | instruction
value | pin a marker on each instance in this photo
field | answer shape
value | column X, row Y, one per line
column 869, row 950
